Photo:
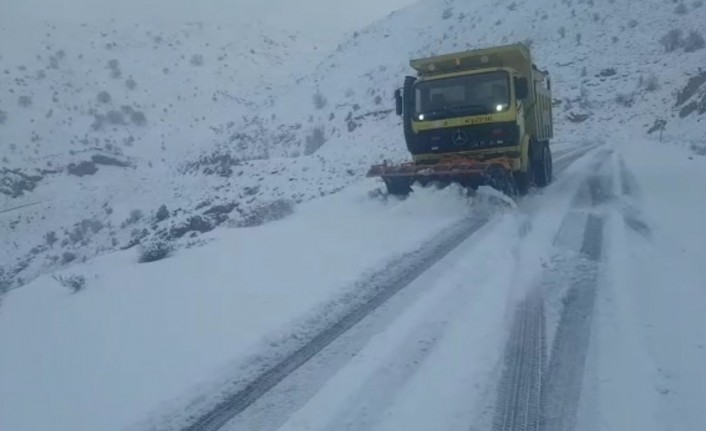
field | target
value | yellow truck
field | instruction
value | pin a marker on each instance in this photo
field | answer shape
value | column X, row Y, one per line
column 479, row 117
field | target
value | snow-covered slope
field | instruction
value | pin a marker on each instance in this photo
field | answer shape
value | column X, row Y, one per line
column 100, row 108
column 241, row 128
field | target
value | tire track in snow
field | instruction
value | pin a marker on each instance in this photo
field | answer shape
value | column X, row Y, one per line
column 632, row 217
column 518, row 406
column 386, row 282
column 563, row 377
column 535, row 396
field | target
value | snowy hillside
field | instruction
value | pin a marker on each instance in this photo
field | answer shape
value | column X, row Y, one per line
column 122, row 143
column 98, row 117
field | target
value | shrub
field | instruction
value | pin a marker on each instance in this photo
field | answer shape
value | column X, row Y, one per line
column 314, row 141
column 134, row 217
column 114, row 67
column 693, row 42
column 75, row 283
column 196, row 60
column 5, row 281
column 155, row 251
column 448, row 13
column 625, row 100
column 24, row 101
column 138, row 118
column 577, row 118
column 162, row 213
column 652, row 83
column 82, row 169
column 319, row 100
column 115, row 118
column 50, row 238
column 681, row 9
column 672, row 40
column 131, row 84
column 104, row 97
column 3, row 117
column 272, row 211
column 632, row 23
column 67, row 257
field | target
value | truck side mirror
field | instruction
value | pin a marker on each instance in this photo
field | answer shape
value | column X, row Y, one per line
column 398, row 102
column 521, row 88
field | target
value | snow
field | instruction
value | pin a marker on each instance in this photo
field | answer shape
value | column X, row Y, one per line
column 651, row 339
column 141, row 334
column 459, row 321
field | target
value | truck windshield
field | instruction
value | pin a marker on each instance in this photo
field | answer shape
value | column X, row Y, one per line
column 463, row 95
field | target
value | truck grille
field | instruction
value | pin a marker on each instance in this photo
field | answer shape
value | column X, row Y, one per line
column 469, row 138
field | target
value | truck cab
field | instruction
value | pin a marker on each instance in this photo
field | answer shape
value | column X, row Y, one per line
column 479, row 105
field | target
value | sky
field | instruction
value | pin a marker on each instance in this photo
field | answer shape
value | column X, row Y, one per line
column 315, row 18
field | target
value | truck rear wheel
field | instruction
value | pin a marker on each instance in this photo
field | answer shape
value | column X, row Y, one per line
column 543, row 169
column 522, row 179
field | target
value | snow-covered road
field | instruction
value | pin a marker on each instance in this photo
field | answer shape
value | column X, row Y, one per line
column 439, row 312
column 430, row 356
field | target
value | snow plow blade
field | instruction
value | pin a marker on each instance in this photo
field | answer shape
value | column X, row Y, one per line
column 496, row 173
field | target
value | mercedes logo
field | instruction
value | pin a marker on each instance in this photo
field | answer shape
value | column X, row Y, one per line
column 459, row 138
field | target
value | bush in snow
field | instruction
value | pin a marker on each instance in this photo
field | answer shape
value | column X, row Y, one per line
column 24, row 101
column 314, row 141
column 75, row 283
column 577, row 118
column 196, row 60
column 50, row 238
column 162, row 213
column 154, row 251
column 319, row 100
column 134, row 217
column 104, row 97
column 5, row 281
column 693, row 42
column 131, row 84
column 625, row 100
column 681, row 9
column 672, row 40
column 697, row 4
column 651, row 84
column 268, row 212
column 3, row 117
column 448, row 13
column 114, row 67
column 138, row 118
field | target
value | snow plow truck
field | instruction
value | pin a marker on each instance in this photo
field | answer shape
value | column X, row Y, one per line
column 479, row 117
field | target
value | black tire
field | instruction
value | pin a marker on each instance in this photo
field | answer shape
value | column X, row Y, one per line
column 523, row 181
column 398, row 186
column 543, row 170
column 501, row 179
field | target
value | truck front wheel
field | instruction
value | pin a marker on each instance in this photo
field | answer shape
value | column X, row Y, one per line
column 543, row 169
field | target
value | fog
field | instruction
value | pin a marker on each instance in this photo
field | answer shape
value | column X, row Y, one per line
column 315, row 18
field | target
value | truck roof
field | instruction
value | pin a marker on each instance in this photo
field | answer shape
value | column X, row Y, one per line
column 515, row 56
